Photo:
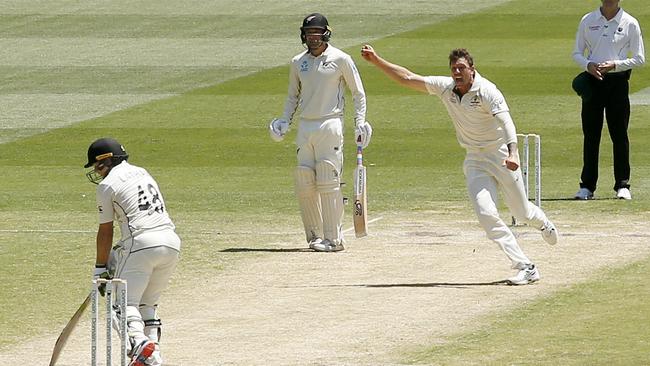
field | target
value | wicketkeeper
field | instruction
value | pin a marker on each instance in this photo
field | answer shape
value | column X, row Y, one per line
column 148, row 251
column 317, row 78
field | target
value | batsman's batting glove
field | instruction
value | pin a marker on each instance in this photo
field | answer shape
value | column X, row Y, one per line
column 363, row 133
column 278, row 128
column 101, row 273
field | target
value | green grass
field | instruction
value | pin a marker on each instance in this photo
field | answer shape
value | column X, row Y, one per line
column 601, row 322
column 209, row 148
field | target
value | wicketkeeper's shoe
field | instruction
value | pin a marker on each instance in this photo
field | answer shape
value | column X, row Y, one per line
column 584, row 194
column 314, row 241
column 525, row 276
column 550, row 233
column 328, row 246
column 141, row 353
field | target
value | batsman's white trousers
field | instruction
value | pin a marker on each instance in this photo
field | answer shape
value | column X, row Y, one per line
column 320, row 140
column 147, row 273
column 485, row 172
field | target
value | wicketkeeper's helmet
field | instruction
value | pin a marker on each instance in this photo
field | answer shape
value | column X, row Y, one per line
column 105, row 148
column 316, row 20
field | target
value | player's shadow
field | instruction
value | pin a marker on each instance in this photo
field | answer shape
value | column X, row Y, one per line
column 267, row 250
column 424, row 284
column 438, row 284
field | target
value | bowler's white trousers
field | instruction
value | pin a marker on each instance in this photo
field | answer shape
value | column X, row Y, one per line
column 485, row 172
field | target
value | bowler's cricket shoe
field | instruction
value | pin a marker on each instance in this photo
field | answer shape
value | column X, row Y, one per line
column 525, row 276
column 550, row 233
column 142, row 352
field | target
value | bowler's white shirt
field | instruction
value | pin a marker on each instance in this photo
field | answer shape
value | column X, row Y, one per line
column 317, row 86
column 473, row 114
column 130, row 196
column 619, row 40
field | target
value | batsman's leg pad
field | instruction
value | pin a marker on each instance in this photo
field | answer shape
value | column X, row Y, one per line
column 135, row 326
column 152, row 324
column 309, row 202
column 328, row 184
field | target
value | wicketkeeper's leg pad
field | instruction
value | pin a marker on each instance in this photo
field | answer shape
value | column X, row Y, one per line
column 328, row 184
column 309, row 202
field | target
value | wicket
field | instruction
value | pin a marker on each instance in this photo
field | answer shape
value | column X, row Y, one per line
column 525, row 167
column 112, row 286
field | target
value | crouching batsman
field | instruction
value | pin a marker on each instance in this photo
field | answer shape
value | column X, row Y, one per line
column 148, row 251
column 485, row 129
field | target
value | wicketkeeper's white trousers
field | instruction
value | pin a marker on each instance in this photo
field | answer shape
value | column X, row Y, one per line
column 485, row 172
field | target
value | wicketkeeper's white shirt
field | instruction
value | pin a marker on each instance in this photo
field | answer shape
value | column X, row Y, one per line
column 618, row 39
column 473, row 114
column 317, row 86
column 130, row 196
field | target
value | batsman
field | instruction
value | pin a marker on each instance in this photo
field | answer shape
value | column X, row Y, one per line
column 148, row 251
column 317, row 80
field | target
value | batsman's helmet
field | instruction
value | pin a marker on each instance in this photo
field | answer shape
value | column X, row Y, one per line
column 318, row 21
column 105, row 148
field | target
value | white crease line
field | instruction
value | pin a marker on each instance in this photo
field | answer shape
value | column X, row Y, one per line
column 48, row 231
column 369, row 222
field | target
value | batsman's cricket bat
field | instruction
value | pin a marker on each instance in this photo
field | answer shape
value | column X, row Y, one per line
column 360, row 209
column 65, row 334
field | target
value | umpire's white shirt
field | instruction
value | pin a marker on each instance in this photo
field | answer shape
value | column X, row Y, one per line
column 130, row 196
column 317, row 86
column 473, row 114
column 618, row 39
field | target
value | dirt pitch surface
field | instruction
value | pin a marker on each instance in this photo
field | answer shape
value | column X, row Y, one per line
column 417, row 279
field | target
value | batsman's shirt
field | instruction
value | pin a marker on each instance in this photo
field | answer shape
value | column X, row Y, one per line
column 473, row 114
column 130, row 196
column 317, row 85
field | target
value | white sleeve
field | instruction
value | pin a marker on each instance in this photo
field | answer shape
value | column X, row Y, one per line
column 636, row 50
column 436, row 84
column 581, row 45
column 105, row 203
column 508, row 126
column 353, row 80
column 293, row 93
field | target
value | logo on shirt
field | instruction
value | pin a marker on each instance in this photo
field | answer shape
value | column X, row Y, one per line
column 475, row 101
column 594, row 27
column 304, row 66
column 619, row 30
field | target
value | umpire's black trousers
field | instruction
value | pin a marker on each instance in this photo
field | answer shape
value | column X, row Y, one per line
column 611, row 97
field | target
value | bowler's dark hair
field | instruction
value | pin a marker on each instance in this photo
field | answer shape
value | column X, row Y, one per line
column 460, row 53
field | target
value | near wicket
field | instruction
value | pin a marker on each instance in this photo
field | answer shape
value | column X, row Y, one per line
column 525, row 167
column 112, row 286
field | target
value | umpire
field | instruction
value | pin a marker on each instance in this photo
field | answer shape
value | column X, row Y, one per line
column 608, row 45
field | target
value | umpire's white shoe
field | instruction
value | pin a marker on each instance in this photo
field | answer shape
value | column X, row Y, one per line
column 584, row 194
column 550, row 233
column 141, row 353
column 314, row 241
column 623, row 194
column 328, row 246
column 525, row 276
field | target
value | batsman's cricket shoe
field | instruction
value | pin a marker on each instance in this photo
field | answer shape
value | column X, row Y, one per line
column 623, row 194
column 328, row 246
column 313, row 242
column 142, row 352
column 525, row 276
column 550, row 233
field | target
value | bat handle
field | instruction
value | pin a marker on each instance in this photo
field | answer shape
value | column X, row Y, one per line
column 359, row 155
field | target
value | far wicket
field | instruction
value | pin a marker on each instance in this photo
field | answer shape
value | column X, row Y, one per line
column 112, row 286
column 525, row 167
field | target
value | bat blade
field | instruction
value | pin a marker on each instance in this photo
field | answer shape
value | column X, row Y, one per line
column 359, row 208
column 67, row 330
